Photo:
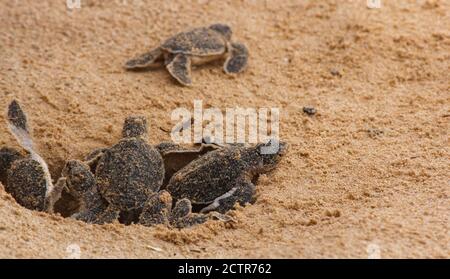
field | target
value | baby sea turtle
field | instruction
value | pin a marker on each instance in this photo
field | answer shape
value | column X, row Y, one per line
column 197, row 46
column 125, row 176
column 80, row 184
column 220, row 178
column 130, row 171
column 28, row 178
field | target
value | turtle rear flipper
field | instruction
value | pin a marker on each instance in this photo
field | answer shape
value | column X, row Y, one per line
column 237, row 59
column 243, row 192
column 180, row 68
column 18, row 125
column 148, row 59
column 183, row 217
column 191, row 220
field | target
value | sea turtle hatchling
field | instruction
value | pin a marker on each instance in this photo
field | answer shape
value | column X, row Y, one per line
column 196, row 46
column 28, row 178
column 220, row 178
column 125, row 176
column 131, row 170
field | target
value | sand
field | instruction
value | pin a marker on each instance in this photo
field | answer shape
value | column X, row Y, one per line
column 367, row 176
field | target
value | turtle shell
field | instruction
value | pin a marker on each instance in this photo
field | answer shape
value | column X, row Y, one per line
column 129, row 172
column 210, row 176
column 198, row 42
column 27, row 184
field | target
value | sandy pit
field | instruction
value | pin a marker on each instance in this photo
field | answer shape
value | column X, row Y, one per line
column 367, row 176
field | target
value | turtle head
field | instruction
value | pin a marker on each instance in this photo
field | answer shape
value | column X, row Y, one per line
column 223, row 29
column 271, row 153
column 79, row 178
column 135, row 127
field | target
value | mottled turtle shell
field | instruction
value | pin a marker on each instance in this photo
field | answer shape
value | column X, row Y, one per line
column 27, row 184
column 211, row 175
column 129, row 172
column 197, row 42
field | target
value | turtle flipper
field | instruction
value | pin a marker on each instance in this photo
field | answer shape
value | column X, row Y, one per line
column 157, row 209
column 237, row 58
column 55, row 195
column 180, row 68
column 92, row 158
column 243, row 192
column 145, row 60
column 191, row 220
column 18, row 125
column 183, row 217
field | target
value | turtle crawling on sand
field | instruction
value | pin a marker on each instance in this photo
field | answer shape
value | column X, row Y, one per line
column 28, row 179
column 197, row 46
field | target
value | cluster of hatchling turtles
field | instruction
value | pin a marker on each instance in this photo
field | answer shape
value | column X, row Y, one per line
column 134, row 180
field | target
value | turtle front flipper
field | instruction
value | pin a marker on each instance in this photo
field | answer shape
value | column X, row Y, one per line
column 157, row 209
column 92, row 158
column 55, row 195
column 180, row 68
column 243, row 192
column 151, row 58
column 182, row 216
column 237, row 58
